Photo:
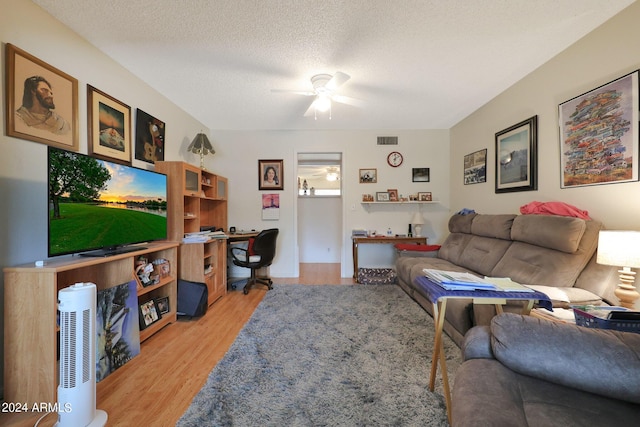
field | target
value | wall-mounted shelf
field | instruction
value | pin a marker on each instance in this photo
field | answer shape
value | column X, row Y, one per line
column 376, row 205
column 399, row 203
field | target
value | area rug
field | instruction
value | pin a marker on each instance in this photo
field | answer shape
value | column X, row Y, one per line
column 328, row 355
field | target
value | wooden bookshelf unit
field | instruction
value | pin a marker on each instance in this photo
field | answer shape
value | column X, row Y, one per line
column 30, row 305
column 198, row 198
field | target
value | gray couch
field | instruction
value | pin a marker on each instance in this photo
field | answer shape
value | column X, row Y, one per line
column 524, row 371
column 556, row 253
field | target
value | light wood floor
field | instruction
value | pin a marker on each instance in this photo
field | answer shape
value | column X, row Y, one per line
column 156, row 387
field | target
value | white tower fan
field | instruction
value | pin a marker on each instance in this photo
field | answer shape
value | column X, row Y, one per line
column 77, row 388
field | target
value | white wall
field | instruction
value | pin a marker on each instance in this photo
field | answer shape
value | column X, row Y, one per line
column 237, row 154
column 605, row 54
column 23, row 164
column 319, row 229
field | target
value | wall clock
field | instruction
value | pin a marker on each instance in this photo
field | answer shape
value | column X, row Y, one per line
column 394, row 159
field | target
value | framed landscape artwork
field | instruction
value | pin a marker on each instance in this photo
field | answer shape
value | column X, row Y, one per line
column 599, row 135
column 42, row 101
column 517, row 156
column 109, row 125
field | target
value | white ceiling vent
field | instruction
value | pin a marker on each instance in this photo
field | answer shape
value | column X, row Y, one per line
column 387, row 140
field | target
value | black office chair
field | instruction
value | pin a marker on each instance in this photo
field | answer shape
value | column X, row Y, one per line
column 257, row 255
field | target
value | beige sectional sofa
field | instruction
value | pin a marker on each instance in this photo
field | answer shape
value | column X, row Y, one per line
column 554, row 253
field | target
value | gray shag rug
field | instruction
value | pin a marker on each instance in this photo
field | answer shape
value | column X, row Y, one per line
column 328, row 355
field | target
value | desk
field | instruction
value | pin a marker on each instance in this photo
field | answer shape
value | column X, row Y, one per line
column 439, row 296
column 380, row 240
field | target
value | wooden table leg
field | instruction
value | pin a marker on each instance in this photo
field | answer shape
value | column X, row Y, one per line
column 354, row 248
column 439, row 309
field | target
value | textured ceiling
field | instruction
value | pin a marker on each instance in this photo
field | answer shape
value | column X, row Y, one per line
column 413, row 64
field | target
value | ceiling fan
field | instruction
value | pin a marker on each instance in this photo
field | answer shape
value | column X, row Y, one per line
column 324, row 93
column 330, row 174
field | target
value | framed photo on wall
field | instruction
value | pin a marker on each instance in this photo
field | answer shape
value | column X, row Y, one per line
column 109, row 125
column 368, row 176
column 270, row 174
column 517, row 157
column 149, row 137
column 42, row 101
column 599, row 135
column 475, row 167
column 420, row 175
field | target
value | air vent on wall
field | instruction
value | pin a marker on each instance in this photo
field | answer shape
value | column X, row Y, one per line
column 387, row 140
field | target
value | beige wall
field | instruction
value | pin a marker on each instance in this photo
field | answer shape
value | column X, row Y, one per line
column 23, row 164
column 605, row 54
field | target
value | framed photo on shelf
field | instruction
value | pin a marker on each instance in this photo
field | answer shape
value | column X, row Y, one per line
column 600, row 145
column 368, row 176
column 270, row 174
column 475, row 167
column 163, row 304
column 393, row 195
column 517, row 157
column 42, row 101
column 149, row 137
column 149, row 314
column 109, row 125
column 382, row 196
column 425, row 196
column 420, row 175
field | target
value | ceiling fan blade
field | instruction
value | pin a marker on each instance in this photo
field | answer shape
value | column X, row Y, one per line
column 348, row 100
column 297, row 92
column 311, row 110
column 337, row 80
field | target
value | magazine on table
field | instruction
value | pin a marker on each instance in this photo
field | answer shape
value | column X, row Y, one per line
column 455, row 280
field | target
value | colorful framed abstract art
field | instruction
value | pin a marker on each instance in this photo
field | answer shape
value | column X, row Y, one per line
column 599, row 135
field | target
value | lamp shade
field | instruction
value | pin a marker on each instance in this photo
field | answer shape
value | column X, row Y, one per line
column 619, row 248
column 417, row 219
column 201, row 145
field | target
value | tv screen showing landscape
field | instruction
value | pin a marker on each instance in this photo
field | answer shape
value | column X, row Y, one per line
column 100, row 205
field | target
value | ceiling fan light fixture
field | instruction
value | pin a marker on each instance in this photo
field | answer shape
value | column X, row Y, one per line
column 332, row 176
column 322, row 103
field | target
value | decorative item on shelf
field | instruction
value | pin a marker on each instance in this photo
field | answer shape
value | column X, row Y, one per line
column 621, row 249
column 425, row 196
column 161, row 267
column 417, row 222
column 145, row 275
column 202, row 146
column 163, row 305
column 149, row 313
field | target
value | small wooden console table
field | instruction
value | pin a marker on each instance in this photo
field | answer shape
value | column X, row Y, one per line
column 356, row 240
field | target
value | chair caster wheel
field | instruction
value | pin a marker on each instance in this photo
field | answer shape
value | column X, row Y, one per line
column 245, row 291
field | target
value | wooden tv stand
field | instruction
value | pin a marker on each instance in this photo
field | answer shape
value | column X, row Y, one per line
column 30, row 307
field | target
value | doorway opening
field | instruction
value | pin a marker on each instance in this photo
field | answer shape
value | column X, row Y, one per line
column 319, row 207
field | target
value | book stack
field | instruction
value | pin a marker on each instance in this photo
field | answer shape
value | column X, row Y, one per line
column 203, row 236
column 462, row 281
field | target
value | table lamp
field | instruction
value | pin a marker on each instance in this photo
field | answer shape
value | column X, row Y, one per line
column 621, row 249
column 417, row 222
column 201, row 145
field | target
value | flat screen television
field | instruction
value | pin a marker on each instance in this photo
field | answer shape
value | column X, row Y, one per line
column 99, row 208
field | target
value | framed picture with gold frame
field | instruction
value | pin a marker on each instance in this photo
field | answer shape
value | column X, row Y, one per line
column 109, row 125
column 42, row 101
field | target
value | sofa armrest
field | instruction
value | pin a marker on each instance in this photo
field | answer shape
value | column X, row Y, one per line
column 477, row 343
column 598, row 361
